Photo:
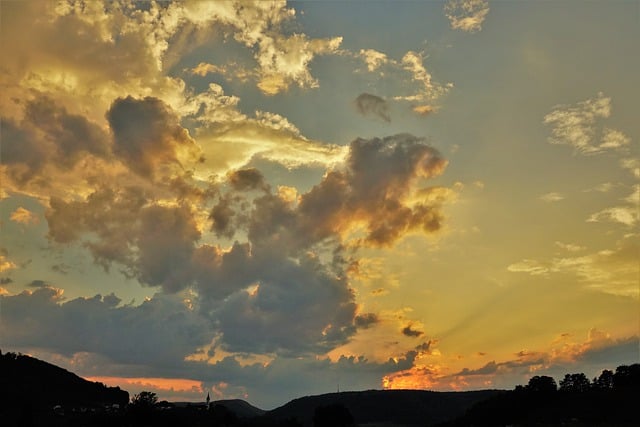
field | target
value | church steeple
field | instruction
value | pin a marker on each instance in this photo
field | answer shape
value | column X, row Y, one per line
column 208, row 399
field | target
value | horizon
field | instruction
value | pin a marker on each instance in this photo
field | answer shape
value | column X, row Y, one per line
column 268, row 200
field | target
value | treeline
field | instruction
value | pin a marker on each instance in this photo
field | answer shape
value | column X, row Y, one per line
column 609, row 399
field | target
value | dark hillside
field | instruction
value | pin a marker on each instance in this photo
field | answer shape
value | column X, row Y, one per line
column 25, row 380
column 240, row 408
column 387, row 407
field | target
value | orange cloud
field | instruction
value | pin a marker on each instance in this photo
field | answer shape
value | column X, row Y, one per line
column 24, row 216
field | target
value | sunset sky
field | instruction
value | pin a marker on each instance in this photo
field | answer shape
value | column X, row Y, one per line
column 270, row 200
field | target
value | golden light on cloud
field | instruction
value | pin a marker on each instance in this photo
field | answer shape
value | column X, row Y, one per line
column 24, row 216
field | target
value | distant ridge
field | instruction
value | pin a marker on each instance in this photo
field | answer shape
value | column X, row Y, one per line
column 25, row 380
column 387, row 407
column 241, row 408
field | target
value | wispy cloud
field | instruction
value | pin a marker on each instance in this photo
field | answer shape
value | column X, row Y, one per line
column 613, row 271
column 551, row 197
column 579, row 126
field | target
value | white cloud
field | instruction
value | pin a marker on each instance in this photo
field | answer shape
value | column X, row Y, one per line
column 466, row 15
column 633, row 165
column 578, row 126
column 620, row 214
column 373, row 59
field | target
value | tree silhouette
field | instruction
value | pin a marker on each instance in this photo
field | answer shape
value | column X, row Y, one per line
column 604, row 381
column 575, row 383
column 145, row 399
column 542, row 384
column 334, row 415
column 627, row 377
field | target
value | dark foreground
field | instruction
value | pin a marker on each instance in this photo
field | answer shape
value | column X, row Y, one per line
column 34, row 393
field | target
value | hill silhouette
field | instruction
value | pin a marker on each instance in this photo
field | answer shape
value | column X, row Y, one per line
column 28, row 385
column 31, row 388
column 386, row 407
column 241, row 408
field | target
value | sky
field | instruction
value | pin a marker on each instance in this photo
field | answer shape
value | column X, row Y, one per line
column 271, row 200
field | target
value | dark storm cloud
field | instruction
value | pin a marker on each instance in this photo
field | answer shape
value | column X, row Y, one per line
column 372, row 105
column 159, row 332
column 148, row 136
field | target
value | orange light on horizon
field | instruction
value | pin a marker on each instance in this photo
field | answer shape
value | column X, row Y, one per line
column 166, row 384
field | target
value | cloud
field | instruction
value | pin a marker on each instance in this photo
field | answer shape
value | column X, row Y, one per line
column 424, row 110
column 613, row 271
column 624, row 215
column 6, row 264
column 466, row 15
column 148, row 136
column 597, row 352
column 570, row 247
column 410, row 332
column 530, row 266
column 48, row 135
column 578, row 126
column 137, row 335
column 412, row 62
column 551, row 197
column 366, row 320
column 373, row 59
column 633, row 165
column 24, row 216
column 367, row 104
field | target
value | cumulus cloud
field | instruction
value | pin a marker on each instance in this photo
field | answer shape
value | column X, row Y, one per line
column 147, row 135
column 150, row 175
column 137, row 335
column 579, row 126
column 372, row 105
column 466, row 15
column 48, row 135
